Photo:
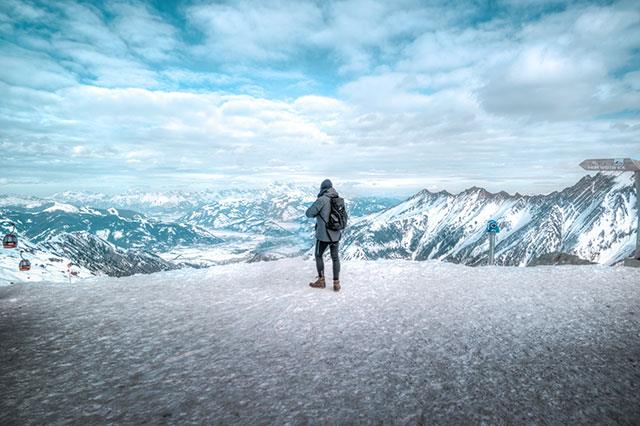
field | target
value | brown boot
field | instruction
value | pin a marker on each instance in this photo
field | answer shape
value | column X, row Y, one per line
column 336, row 285
column 319, row 283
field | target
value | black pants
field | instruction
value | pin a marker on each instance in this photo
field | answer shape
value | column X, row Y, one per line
column 321, row 246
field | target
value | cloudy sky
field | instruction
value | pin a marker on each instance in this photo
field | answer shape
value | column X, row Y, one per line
column 381, row 96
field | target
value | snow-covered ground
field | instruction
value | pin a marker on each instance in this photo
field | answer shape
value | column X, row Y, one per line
column 404, row 342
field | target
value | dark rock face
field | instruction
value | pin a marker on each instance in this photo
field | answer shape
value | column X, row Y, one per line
column 101, row 257
column 594, row 220
column 559, row 259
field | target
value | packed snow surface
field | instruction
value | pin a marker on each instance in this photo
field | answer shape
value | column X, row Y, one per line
column 403, row 342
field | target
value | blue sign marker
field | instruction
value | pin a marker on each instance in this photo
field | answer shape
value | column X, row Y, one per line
column 493, row 227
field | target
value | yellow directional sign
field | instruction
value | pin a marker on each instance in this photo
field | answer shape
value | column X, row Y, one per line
column 612, row 164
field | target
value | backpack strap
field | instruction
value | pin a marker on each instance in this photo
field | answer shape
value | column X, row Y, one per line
column 326, row 228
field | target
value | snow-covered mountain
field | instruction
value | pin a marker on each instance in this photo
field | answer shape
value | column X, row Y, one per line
column 165, row 205
column 171, row 205
column 594, row 220
column 256, row 224
column 101, row 241
column 274, row 211
column 100, row 257
column 91, row 255
column 45, row 265
column 123, row 228
column 277, row 209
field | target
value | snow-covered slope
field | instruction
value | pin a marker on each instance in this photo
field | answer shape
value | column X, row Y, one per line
column 91, row 254
column 594, row 219
column 102, row 258
column 46, row 265
column 402, row 343
column 123, row 228
column 101, row 241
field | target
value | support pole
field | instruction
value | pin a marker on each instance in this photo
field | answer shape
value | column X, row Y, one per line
column 637, row 175
column 492, row 248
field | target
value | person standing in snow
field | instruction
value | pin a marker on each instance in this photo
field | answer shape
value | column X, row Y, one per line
column 328, row 231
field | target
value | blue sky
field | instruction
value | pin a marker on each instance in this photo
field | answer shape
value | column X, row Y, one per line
column 383, row 97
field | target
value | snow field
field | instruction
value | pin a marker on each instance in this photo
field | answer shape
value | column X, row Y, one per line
column 404, row 342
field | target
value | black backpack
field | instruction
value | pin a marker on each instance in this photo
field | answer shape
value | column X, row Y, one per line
column 338, row 215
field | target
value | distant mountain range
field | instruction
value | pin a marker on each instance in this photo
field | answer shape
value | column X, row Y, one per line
column 107, row 241
column 270, row 202
column 87, row 229
column 275, row 211
column 123, row 228
column 594, row 220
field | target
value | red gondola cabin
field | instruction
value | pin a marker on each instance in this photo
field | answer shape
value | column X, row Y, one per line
column 24, row 265
column 10, row 241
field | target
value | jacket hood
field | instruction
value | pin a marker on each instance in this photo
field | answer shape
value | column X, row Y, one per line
column 330, row 192
column 326, row 184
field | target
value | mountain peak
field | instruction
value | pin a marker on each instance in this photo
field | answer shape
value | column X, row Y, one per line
column 476, row 190
column 425, row 193
column 594, row 220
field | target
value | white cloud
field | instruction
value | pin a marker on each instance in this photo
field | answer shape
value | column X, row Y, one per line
column 564, row 66
column 109, row 52
column 187, row 78
column 354, row 34
column 404, row 91
column 145, row 33
column 22, row 67
column 177, row 136
column 319, row 106
column 543, row 83
column 252, row 30
column 24, row 10
column 85, row 24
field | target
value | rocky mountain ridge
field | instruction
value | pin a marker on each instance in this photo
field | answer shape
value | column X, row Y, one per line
column 595, row 219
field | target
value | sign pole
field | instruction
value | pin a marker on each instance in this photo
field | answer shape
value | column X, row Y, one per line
column 492, row 249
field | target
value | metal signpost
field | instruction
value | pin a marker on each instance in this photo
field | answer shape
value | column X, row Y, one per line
column 620, row 165
column 492, row 230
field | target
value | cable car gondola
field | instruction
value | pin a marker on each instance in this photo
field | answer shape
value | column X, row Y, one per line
column 72, row 269
column 10, row 241
column 24, row 264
